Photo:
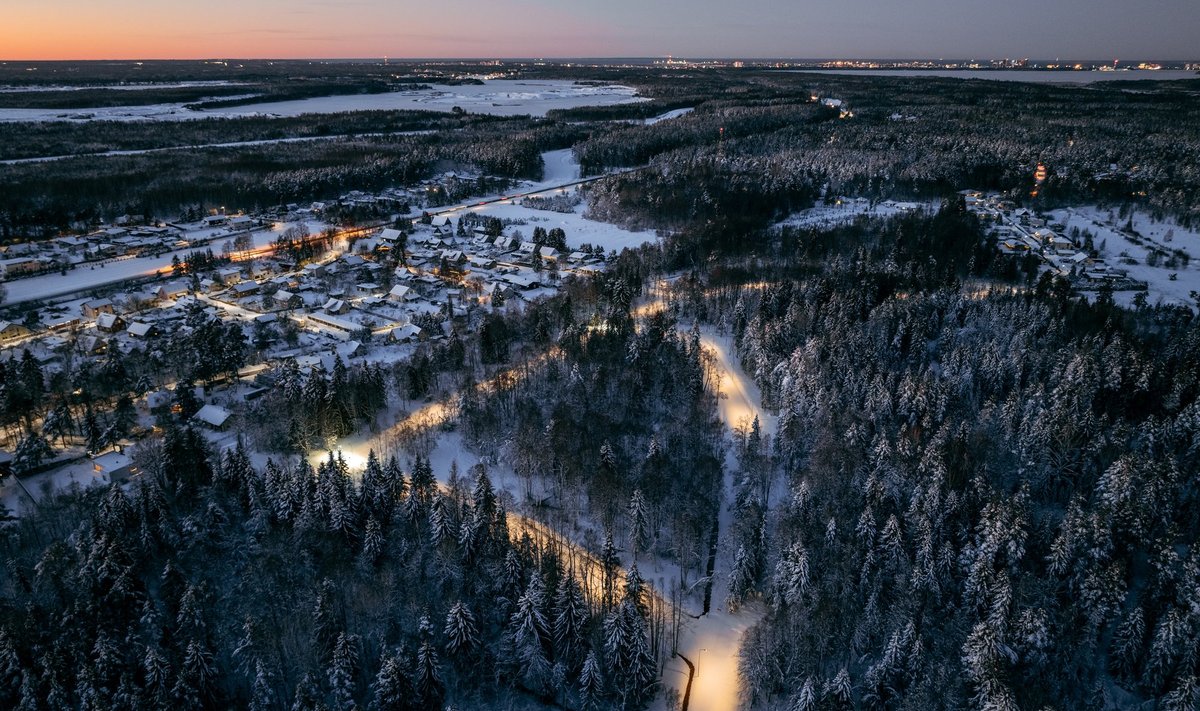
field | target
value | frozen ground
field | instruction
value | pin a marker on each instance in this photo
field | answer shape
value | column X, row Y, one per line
column 502, row 97
column 846, row 210
column 667, row 116
column 1115, row 245
column 561, row 167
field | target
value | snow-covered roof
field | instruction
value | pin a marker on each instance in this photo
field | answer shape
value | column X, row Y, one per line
column 213, row 415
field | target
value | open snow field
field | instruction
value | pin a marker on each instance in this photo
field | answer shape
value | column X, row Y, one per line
column 846, row 210
column 501, row 97
column 560, row 167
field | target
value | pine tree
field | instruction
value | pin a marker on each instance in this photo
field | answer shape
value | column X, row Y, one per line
column 343, row 671
column 570, row 618
column 591, row 684
column 791, row 575
column 839, row 692
column 806, row 700
column 610, row 564
column 393, row 688
column 529, row 633
column 262, row 693
column 741, row 579
column 372, row 544
column 627, row 652
column 441, row 524
column 462, row 635
column 10, row 672
column 427, row 678
column 639, row 523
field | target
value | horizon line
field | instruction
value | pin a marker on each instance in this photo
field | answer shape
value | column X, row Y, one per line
column 607, row 58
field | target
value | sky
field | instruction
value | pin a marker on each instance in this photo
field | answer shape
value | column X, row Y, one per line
column 951, row 29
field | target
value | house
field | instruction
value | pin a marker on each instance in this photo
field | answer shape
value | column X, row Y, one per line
column 349, row 349
column 404, row 334
column 18, row 266
column 213, row 416
column 367, row 288
column 139, row 329
column 523, row 281
column 92, row 309
column 245, row 288
column 335, row 306
column 63, row 323
column 10, row 331
column 285, row 299
column 454, row 256
column 548, row 252
column 110, row 323
column 230, row 276
column 172, row 289
column 159, row 400
column 91, row 345
column 400, row 292
column 116, row 466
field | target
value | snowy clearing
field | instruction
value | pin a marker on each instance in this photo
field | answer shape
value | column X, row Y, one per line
column 847, row 210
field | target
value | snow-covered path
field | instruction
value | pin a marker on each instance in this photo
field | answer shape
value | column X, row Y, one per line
column 713, row 643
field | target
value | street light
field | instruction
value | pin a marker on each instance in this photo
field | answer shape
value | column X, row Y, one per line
column 699, row 657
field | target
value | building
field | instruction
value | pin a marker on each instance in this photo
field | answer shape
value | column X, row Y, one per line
column 110, row 323
column 19, row 266
column 116, row 466
column 92, row 309
column 138, row 329
column 10, row 331
column 213, row 416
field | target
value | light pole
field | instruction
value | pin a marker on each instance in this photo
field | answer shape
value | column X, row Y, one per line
column 700, row 658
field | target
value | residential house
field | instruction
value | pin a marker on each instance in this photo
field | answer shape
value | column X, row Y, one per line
column 213, row 416
column 109, row 323
column 92, row 309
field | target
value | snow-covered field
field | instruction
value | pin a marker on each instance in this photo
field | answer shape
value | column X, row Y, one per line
column 560, row 167
column 502, row 97
column 667, row 116
column 1115, row 245
column 847, row 210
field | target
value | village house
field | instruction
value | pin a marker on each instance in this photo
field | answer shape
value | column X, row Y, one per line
column 109, row 323
column 92, row 309
column 213, row 416
column 10, row 331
